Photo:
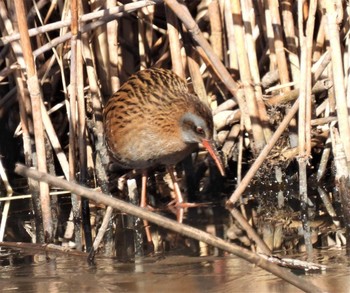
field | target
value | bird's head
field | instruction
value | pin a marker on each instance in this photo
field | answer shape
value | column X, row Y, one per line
column 197, row 127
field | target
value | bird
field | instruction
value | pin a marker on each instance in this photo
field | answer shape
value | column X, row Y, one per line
column 154, row 119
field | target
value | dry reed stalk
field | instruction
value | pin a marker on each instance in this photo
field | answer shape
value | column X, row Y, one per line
column 73, row 92
column 216, row 31
column 231, row 40
column 102, row 157
column 226, row 118
column 305, row 82
column 342, row 181
column 81, row 127
column 51, row 133
column 50, row 11
column 309, row 46
column 141, row 35
column 270, row 36
column 128, row 64
column 27, row 132
column 106, row 223
column 240, row 136
column 250, row 231
column 226, row 105
column 81, row 131
column 338, row 75
column 250, row 25
column 7, row 71
column 47, row 248
column 105, row 16
column 304, row 129
column 112, row 42
column 291, row 38
column 56, row 145
column 35, row 95
column 282, row 65
column 100, row 45
column 7, row 204
column 259, row 9
column 174, row 42
column 246, row 78
column 26, row 123
column 7, row 29
column 319, row 87
column 196, row 76
column 231, row 141
column 161, row 50
column 22, row 94
column 145, row 28
column 320, row 39
column 347, row 67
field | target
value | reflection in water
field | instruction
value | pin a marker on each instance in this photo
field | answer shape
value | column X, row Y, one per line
column 169, row 274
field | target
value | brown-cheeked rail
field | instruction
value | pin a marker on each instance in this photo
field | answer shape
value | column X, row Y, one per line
column 153, row 120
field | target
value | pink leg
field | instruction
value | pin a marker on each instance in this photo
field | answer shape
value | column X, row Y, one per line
column 143, row 204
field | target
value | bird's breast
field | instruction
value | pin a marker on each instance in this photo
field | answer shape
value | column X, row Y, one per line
column 144, row 148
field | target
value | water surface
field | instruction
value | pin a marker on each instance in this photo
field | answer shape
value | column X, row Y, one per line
column 59, row 273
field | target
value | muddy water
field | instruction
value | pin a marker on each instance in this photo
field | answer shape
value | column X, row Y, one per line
column 38, row 273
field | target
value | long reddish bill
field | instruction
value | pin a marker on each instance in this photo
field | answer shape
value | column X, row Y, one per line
column 211, row 148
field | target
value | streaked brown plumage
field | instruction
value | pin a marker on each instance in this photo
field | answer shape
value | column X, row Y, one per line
column 153, row 119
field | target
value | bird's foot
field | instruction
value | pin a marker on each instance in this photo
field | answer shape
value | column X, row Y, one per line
column 149, row 208
column 149, row 249
column 183, row 205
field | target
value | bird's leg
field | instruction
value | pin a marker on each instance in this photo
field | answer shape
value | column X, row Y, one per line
column 178, row 194
column 143, row 204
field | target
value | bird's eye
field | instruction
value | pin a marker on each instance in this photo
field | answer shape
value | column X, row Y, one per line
column 199, row 130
